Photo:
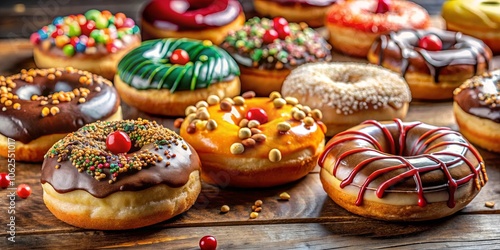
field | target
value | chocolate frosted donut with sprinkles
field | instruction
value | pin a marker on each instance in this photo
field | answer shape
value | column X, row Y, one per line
column 401, row 171
column 41, row 106
column 433, row 62
column 477, row 110
column 120, row 175
column 268, row 49
column 349, row 93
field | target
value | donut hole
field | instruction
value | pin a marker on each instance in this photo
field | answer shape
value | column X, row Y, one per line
column 25, row 92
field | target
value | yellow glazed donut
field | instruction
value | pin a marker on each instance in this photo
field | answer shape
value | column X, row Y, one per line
column 477, row 18
column 349, row 93
column 252, row 141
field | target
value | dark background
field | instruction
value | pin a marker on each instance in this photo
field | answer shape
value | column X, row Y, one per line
column 18, row 19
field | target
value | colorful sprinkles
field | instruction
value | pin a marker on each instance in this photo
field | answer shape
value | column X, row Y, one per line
column 88, row 33
column 86, row 148
column 489, row 83
column 256, row 46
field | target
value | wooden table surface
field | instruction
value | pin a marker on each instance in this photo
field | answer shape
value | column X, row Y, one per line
column 310, row 219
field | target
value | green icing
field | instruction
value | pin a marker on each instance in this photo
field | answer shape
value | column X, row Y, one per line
column 148, row 66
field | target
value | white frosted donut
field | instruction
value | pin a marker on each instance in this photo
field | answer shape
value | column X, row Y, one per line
column 349, row 93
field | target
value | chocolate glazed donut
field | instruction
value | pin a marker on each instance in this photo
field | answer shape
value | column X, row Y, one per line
column 431, row 74
column 43, row 102
column 401, row 171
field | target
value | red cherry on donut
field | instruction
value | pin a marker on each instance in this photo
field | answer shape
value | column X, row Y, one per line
column 23, row 191
column 118, row 142
column 281, row 26
column 383, row 6
column 270, row 36
column 257, row 114
column 208, row 243
column 4, row 180
column 179, row 56
column 430, row 42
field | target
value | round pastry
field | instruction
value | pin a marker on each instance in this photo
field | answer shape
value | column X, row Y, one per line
column 165, row 76
column 477, row 110
column 401, row 171
column 120, row 175
column 196, row 19
column 252, row 141
column 41, row 106
column 478, row 18
column 267, row 50
column 433, row 62
column 365, row 20
column 311, row 12
column 349, row 93
column 94, row 42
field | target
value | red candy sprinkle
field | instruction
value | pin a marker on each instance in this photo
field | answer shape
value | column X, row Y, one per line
column 208, row 243
column 270, row 36
column 179, row 56
column 257, row 114
column 383, row 6
column 430, row 42
column 57, row 32
column 35, row 38
column 23, row 191
column 118, row 142
column 88, row 27
column 281, row 26
column 4, row 180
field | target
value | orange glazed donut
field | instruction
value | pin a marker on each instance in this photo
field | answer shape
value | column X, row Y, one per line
column 311, row 12
column 401, row 171
column 477, row 110
column 252, row 141
column 41, row 106
column 195, row 19
column 120, row 175
column 354, row 25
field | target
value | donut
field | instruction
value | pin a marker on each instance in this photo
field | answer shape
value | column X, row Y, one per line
column 480, row 19
column 252, row 141
column 165, row 76
column 120, row 175
column 348, row 93
column 433, row 62
column 311, row 12
column 95, row 42
column 40, row 106
column 268, row 49
column 476, row 108
column 401, row 171
column 365, row 20
column 195, row 19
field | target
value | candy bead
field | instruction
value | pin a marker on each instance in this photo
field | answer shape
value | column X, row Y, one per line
column 69, row 50
column 129, row 23
column 57, row 32
column 61, row 41
column 74, row 30
column 88, row 27
column 92, row 14
column 58, row 20
column 23, row 191
column 101, row 22
column 118, row 142
column 4, row 180
column 35, row 38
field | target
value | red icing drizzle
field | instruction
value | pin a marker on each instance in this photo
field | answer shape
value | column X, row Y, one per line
column 191, row 14
column 412, row 171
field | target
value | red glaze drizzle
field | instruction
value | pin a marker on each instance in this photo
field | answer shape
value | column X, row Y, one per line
column 191, row 14
column 412, row 171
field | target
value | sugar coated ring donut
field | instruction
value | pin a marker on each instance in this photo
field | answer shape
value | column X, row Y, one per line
column 196, row 19
column 358, row 18
column 94, row 41
column 252, row 141
column 150, row 79
column 310, row 12
column 266, row 60
column 401, row 171
column 86, row 184
column 40, row 106
column 479, row 18
column 430, row 74
column 477, row 110
column 348, row 93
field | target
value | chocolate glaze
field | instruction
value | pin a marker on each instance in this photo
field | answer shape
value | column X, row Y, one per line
column 404, row 157
column 28, row 124
column 320, row 3
column 401, row 48
column 480, row 97
column 191, row 14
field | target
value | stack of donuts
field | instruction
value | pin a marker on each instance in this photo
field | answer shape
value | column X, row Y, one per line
column 253, row 98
